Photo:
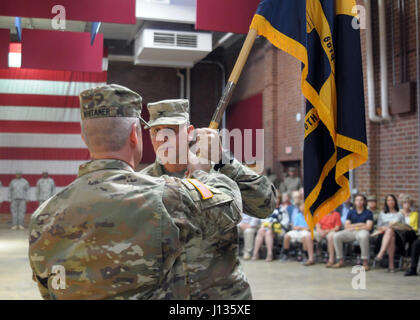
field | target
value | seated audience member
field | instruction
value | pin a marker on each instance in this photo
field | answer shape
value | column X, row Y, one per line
column 411, row 219
column 344, row 210
column 275, row 224
column 291, row 182
column 357, row 227
column 301, row 194
column 247, row 229
column 400, row 197
column 299, row 230
column 325, row 229
column 372, row 206
column 286, row 205
column 415, row 254
column 389, row 238
column 296, row 200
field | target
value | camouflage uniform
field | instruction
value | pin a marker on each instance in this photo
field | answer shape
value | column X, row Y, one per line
column 45, row 188
column 213, row 268
column 120, row 234
column 18, row 195
column 290, row 184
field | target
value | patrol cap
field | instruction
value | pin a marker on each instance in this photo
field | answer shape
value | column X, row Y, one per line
column 18, row 171
column 371, row 198
column 110, row 100
column 169, row 112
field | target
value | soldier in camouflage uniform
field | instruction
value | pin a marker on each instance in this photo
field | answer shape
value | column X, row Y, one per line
column 45, row 188
column 213, row 267
column 119, row 234
column 18, row 195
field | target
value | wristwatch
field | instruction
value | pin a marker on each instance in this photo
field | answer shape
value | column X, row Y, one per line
column 227, row 155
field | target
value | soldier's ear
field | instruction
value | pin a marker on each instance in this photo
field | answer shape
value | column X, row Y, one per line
column 135, row 134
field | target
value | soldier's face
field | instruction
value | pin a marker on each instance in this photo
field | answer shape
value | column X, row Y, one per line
column 18, row 175
column 170, row 143
column 45, row 175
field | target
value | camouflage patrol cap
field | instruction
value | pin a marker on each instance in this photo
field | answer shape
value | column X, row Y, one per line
column 371, row 198
column 110, row 100
column 169, row 112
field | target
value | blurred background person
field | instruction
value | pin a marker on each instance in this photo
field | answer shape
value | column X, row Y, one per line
column 388, row 238
column 415, row 254
column 358, row 225
column 411, row 217
column 344, row 210
column 325, row 229
column 247, row 229
column 277, row 223
column 372, row 206
column 299, row 230
column 285, row 204
column 292, row 182
column 45, row 188
column 301, row 193
column 18, row 195
column 296, row 200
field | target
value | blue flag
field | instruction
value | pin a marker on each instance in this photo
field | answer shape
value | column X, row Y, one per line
column 323, row 35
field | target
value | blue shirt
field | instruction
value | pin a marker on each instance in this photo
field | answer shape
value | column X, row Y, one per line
column 344, row 213
column 293, row 212
column 299, row 220
column 363, row 217
column 290, row 209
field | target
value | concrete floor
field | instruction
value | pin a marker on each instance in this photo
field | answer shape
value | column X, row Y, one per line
column 292, row 281
column 271, row 281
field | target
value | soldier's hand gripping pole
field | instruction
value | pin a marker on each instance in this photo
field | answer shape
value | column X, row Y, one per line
column 233, row 79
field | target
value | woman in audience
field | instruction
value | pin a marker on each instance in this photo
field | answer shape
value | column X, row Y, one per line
column 389, row 237
column 325, row 229
column 411, row 218
column 270, row 227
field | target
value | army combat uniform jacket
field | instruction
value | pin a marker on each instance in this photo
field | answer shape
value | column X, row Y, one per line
column 213, row 267
column 258, row 193
column 45, row 188
column 19, row 189
column 119, row 234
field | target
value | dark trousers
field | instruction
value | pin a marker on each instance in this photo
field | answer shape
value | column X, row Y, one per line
column 415, row 254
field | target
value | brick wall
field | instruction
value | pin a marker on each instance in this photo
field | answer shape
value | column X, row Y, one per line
column 393, row 147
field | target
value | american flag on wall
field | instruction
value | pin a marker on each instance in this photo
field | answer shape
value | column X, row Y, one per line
column 40, row 125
